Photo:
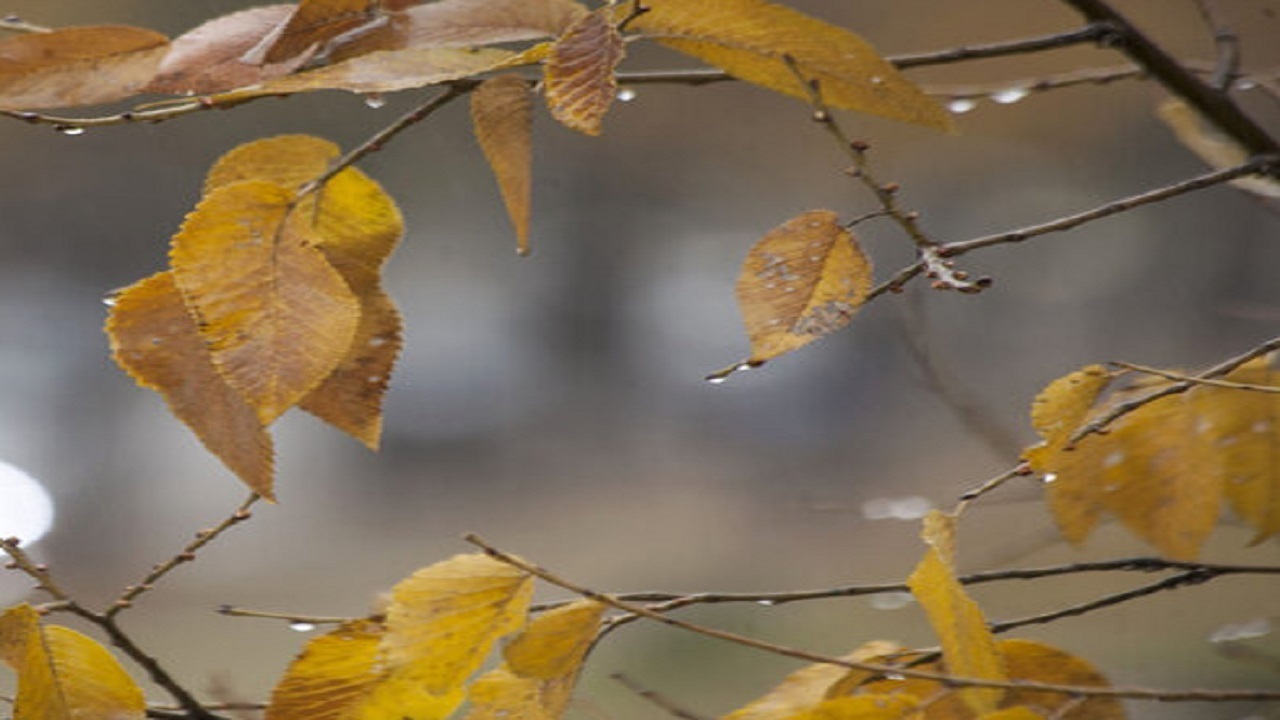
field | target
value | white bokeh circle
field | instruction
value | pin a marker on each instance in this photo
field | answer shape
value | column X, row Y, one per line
column 26, row 510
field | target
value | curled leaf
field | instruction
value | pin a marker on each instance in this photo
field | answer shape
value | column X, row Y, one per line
column 580, row 82
column 78, row 66
column 210, row 57
column 502, row 116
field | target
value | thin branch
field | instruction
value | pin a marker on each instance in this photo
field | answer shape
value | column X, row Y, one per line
column 1216, row 106
column 1200, row 182
column 1227, row 43
column 291, row 618
column 379, row 140
column 1183, row 579
column 187, row 554
column 1101, row 423
column 968, row 496
column 1225, row 384
column 947, row 680
column 1091, row 33
column 657, row 699
column 13, row 23
column 19, row 560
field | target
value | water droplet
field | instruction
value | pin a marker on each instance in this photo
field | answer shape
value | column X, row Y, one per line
column 1246, row 84
column 891, row 600
column 302, row 626
column 1113, row 459
column 373, row 379
column 766, row 603
column 815, row 258
column 894, row 676
column 719, row 376
column 626, row 94
column 374, row 101
column 69, row 129
column 109, row 300
column 912, row 507
column 1203, row 426
column 1049, row 478
column 1010, row 96
column 718, row 380
column 876, row 80
column 1260, row 427
column 377, row 342
column 789, row 289
column 960, row 106
column 1234, row 632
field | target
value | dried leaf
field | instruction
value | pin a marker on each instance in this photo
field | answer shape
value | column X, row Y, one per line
column 806, row 687
column 156, row 341
column 384, row 71
column 78, row 66
column 277, row 316
column 1213, row 146
column 210, row 57
column 863, row 707
column 968, row 647
column 1014, row 713
column 579, row 77
column 803, row 280
column 63, row 675
column 444, row 619
column 466, row 23
column 753, row 39
column 313, row 23
column 502, row 116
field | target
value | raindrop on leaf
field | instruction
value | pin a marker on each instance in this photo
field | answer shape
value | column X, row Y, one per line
column 1010, row 96
column 302, row 626
column 959, row 106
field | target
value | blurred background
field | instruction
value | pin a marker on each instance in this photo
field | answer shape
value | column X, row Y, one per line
column 555, row 404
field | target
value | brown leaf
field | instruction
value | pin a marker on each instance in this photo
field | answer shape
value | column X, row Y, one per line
column 761, row 42
column 78, row 66
column 384, row 71
column 313, row 23
column 277, row 316
column 803, row 280
column 210, row 57
column 579, row 80
column 466, row 23
column 155, row 339
column 502, row 117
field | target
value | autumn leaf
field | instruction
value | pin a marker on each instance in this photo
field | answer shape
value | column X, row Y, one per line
column 579, row 76
column 502, row 116
column 465, row 23
column 286, row 160
column 156, row 341
column 863, row 707
column 313, row 23
column 1244, row 428
column 63, row 675
column 1215, row 147
column 968, row 647
column 210, row 57
column 769, row 44
column 277, row 316
column 1014, row 713
column 806, row 687
column 804, row 280
column 443, row 620
column 541, row 666
column 78, row 66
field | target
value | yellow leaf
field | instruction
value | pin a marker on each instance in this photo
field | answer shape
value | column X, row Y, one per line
column 1213, row 146
column 863, row 707
column 806, row 687
column 554, row 644
column 154, row 338
column 968, row 646
column 444, row 619
column 1060, row 408
column 277, row 316
column 752, row 39
column 502, row 695
column 579, row 81
column 78, row 66
column 63, row 675
column 286, row 160
column 803, row 280
column 1014, row 713
column 502, row 116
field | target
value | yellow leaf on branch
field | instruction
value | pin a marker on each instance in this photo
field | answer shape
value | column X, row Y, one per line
column 808, row 687
column 502, row 118
column 63, row 675
column 769, row 44
column 78, row 66
column 579, row 76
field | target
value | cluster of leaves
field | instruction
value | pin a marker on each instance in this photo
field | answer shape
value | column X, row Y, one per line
column 273, row 298
column 418, row 658
column 1166, row 467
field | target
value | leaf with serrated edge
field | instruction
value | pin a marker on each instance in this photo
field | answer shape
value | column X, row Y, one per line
column 78, row 66
column 752, row 39
column 803, row 280
column 968, row 646
column 1242, row 428
column 502, row 117
column 63, row 675
column 443, row 619
column 311, row 24
column 277, row 316
column 579, row 80
column 806, row 687
column 155, row 340
column 286, row 160
column 210, row 57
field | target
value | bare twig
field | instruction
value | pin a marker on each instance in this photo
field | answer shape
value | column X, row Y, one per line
column 968, row 496
column 187, row 554
column 1093, row 32
column 13, row 23
column 1183, row 579
column 1200, row 182
column 947, row 680
column 291, row 618
column 1105, row 420
column 1227, row 43
column 657, row 699
column 1225, row 384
